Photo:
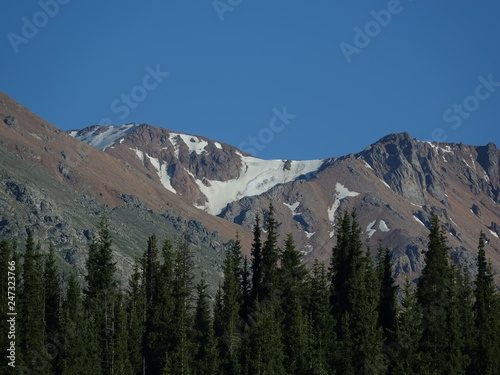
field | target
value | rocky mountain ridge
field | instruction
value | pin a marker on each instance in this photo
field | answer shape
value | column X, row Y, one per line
column 151, row 179
column 394, row 184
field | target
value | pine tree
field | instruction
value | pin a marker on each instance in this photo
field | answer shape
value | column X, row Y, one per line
column 230, row 306
column 31, row 323
column 256, row 261
column 388, row 306
column 182, row 350
column 270, row 256
column 407, row 358
column 433, row 294
column 79, row 352
column 101, row 293
column 121, row 360
column 206, row 357
column 355, row 298
column 459, row 321
column 340, row 268
column 52, row 292
column 265, row 342
column 295, row 325
column 151, row 267
column 135, row 320
column 246, row 290
column 160, row 321
column 322, row 335
column 487, row 317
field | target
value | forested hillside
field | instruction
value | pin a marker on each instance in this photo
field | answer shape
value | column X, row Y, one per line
column 270, row 315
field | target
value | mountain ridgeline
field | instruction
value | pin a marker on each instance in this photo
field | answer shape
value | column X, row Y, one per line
column 395, row 184
column 148, row 179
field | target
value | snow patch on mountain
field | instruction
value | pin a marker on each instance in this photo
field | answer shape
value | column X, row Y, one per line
column 341, row 193
column 293, row 208
column 385, row 183
column 162, row 171
column 309, row 234
column 101, row 137
column 367, row 165
column 382, row 225
column 370, row 228
column 256, row 177
column 193, row 143
column 418, row 220
column 139, row 154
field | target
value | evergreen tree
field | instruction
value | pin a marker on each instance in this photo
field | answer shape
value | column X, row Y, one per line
column 407, row 359
column 256, row 261
column 231, row 300
column 265, row 342
column 121, row 360
column 388, row 306
column 151, row 267
column 340, row 268
column 101, row 294
column 459, row 321
column 31, row 314
column 80, row 352
column 52, row 292
column 322, row 336
column 182, row 349
column 433, row 294
column 270, row 256
column 295, row 324
column 487, row 317
column 246, row 290
column 355, row 298
column 160, row 316
column 135, row 320
column 100, row 267
column 206, row 357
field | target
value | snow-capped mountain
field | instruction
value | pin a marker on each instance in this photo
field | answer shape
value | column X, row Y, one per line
column 146, row 178
column 210, row 174
column 394, row 184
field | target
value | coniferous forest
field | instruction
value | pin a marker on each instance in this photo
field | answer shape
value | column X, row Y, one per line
column 271, row 314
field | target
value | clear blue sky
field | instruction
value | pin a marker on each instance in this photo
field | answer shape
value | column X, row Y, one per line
column 234, row 68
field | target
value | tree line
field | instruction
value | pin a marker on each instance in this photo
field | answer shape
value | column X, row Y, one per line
column 271, row 315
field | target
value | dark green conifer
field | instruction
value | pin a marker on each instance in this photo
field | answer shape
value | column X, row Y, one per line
column 31, row 313
column 487, row 318
column 256, row 261
column 52, row 293
column 206, row 356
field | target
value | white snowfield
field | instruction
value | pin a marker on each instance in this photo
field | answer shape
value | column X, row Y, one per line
column 256, row 177
column 293, row 208
column 102, row 139
column 193, row 143
column 341, row 193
